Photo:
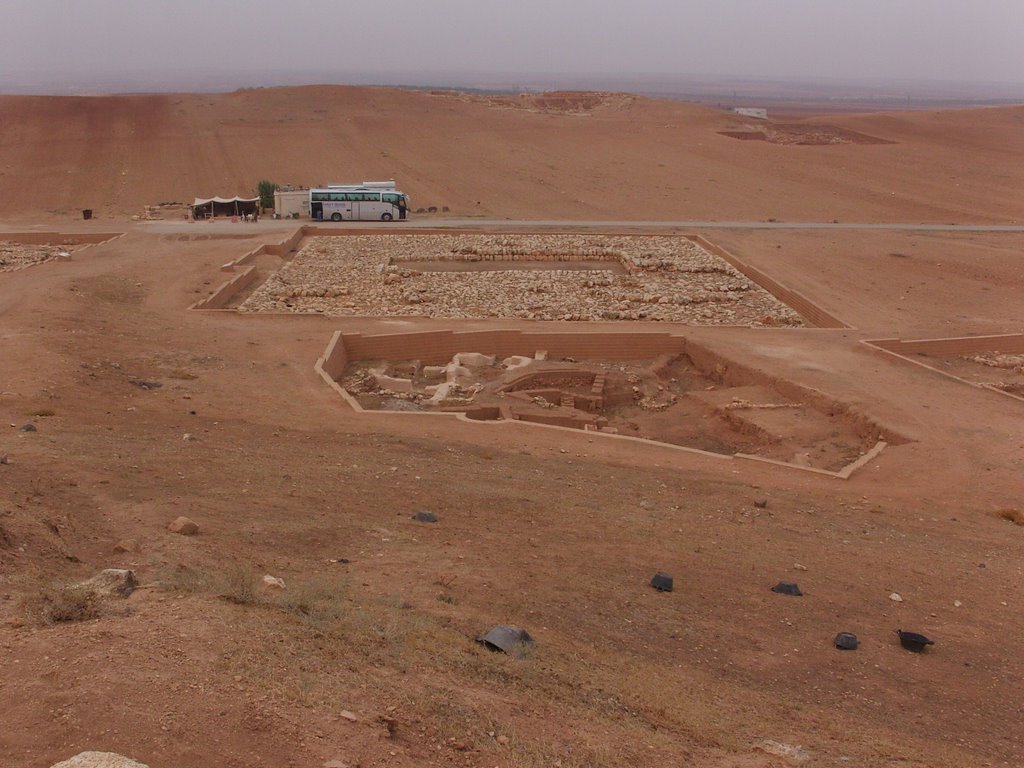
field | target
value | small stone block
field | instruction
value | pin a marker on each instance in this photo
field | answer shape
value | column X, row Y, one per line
column 662, row 582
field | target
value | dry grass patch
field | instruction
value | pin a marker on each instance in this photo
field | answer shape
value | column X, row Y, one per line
column 185, row 580
column 238, row 585
column 61, row 604
column 317, row 602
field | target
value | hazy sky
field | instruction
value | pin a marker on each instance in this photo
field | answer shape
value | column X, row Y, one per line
column 961, row 40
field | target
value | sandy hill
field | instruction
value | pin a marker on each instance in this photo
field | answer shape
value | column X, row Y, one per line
column 578, row 155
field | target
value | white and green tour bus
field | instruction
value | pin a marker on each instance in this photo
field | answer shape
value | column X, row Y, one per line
column 369, row 201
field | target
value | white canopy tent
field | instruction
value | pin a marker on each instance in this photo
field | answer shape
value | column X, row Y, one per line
column 205, row 207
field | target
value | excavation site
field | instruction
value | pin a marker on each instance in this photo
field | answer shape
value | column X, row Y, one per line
column 19, row 250
column 368, row 427
column 663, row 389
column 529, row 277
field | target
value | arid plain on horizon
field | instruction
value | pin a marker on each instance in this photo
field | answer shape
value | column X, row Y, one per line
column 762, row 350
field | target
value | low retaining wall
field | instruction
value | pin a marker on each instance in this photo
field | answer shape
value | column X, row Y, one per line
column 58, row 238
column 282, row 249
column 1007, row 344
column 220, row 298
column 437, row 347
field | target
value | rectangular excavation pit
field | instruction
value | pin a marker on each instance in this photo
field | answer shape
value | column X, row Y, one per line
column 19, row 250
column 524, row 276
column 995, row 363
column 651, row 387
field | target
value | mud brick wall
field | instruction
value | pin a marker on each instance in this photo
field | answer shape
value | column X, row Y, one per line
column 282, row 248
column 223, row 295
column 335, row 357
column 287, row 245
column 438, row 347
column 58, row 238
column 1008, row 344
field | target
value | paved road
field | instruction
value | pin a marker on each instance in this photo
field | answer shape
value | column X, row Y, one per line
column 419, row 222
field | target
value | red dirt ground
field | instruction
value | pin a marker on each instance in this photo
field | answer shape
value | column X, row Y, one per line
column 551, row 530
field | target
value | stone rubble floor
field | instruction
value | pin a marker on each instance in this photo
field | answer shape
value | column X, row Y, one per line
column 476, row 276
column 18, row 256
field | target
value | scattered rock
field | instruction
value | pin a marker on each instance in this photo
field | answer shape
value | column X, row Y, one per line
column 142, row 384
column 896, row 597
column 787, row 588
column 791, row 754
column 914, row 641
column 514, row 641
column 351, row 716
column 389, row 723
column 799, row 567
column 762, row 503
column 184, row 526
column 662, row 582
column 29, row 428
column 423, row 516
column 846, row 641
column 126, row 545
column 188, row 437
column 503, row 740
column 272, row 582
column 112, row 582
column 99, row 760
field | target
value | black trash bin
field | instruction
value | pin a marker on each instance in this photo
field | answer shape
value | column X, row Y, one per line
column 87, row 213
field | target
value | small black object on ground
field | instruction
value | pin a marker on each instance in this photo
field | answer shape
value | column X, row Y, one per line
column 914, row 641
column 425, row 517
column 515, row 641
column 342, row 560
column 29, row 428
column 847, row 641
column 142, row 384
column 662, row 582
column 787, row 588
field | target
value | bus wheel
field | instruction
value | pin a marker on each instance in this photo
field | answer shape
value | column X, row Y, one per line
column 385, row 217
column 335, row 217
